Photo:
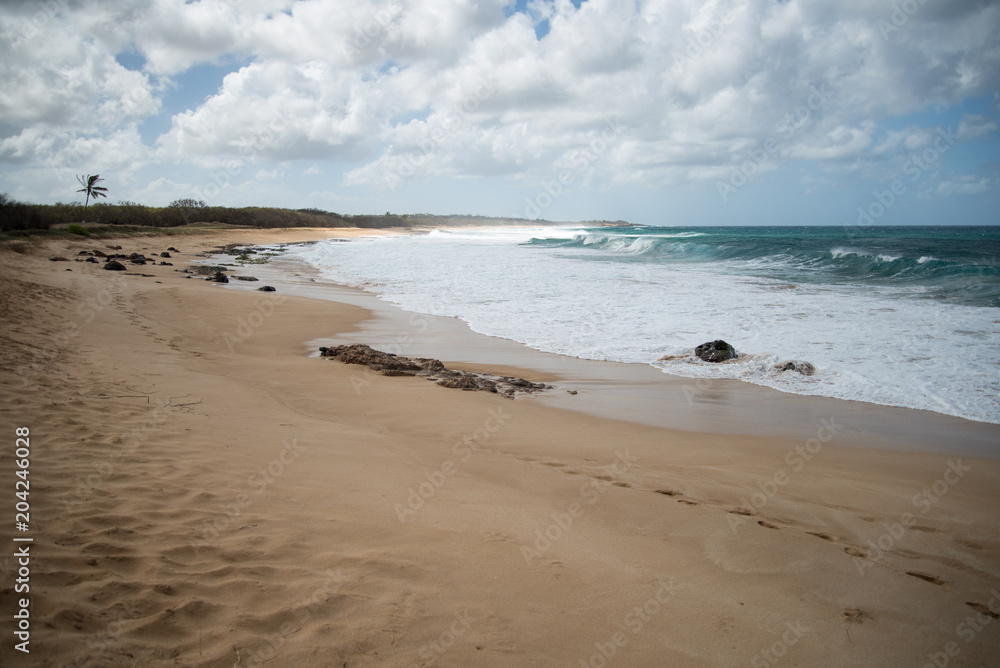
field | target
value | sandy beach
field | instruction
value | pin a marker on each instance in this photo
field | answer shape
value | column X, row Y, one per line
column 205, row 491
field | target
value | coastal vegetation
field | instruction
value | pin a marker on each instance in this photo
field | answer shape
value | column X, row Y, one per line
column 22, row 217
column 91, row 189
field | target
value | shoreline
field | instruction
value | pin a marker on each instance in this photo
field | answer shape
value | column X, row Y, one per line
column 208, row 495
column 637, row 393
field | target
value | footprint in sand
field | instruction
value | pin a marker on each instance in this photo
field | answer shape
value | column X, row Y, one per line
column 982, row 609
column 854, row 616
column 822, row 535
column 927, row 578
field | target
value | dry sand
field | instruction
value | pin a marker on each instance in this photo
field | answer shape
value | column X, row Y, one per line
column 204, row 493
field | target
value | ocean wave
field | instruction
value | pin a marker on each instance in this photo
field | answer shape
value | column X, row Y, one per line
column 925, row 343
column 793, row 260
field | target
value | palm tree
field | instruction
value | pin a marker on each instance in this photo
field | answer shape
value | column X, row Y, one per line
column 92, row 189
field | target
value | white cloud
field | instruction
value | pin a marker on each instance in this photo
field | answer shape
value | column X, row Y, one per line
column 975, row 126
column 965, row 184
column 395, row 88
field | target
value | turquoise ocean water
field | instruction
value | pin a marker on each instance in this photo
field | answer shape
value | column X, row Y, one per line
column 904, row 316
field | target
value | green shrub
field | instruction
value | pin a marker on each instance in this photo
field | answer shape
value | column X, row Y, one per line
column 74, row 228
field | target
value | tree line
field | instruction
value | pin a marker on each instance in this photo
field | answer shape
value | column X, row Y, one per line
column 15, row 215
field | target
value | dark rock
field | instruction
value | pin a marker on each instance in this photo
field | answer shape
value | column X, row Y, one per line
column 431, row 369
column 206, row 269
column 267, row 288
column 247, row 278
column 805, row 368
column 115, row 247
column 431, row 365
column 164, row 254
column 91, row 259
column 715, row 351
column 114, row 265
column 469, row 383
column 166, row 264
column 171, row 248
column 376, row 360
column 522, row 383
column 220, row 277
column 98, row 253
column 84, row 253
column 58, row 258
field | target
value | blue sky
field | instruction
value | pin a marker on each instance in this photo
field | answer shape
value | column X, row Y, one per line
column 659, row 112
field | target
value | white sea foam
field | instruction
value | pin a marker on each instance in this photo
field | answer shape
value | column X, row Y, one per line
column 869, row 344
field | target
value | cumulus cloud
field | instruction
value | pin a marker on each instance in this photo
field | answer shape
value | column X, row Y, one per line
column 408, row 89
column 965, row 184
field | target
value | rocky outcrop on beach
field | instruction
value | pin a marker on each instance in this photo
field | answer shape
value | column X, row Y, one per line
column 205, row 269
column 114, row 265
column 805, row 368
column 715, row 351
column 220, row 277
column 395, row 365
